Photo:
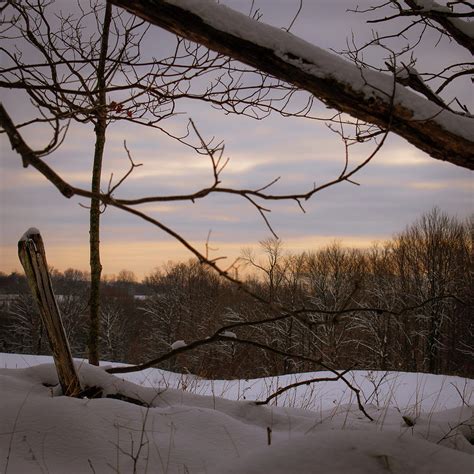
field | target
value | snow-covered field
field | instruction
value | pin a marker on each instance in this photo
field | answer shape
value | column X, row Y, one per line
column 422, row 423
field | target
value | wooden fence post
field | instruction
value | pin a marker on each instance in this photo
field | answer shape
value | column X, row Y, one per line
column 33, row 258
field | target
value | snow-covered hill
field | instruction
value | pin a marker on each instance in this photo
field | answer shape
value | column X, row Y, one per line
column 423, row 424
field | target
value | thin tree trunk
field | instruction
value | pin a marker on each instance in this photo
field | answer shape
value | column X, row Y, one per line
column 94, row 225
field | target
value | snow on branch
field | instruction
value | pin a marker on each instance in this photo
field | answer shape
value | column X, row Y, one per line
column 460, row 30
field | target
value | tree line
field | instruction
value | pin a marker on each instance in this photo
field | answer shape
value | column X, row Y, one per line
column 405, row 304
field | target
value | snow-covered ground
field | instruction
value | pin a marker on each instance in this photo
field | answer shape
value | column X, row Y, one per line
column 422, row 423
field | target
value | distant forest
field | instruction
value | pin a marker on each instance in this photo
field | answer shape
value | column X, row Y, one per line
column 406, row 305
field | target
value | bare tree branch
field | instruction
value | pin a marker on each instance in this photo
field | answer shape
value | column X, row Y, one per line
column 441, row 134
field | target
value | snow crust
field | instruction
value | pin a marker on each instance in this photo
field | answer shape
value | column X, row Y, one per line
column 323, row 64
column 187, row 432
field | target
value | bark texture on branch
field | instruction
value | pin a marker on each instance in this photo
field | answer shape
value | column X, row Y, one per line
column 432, row 133
column 33, row 258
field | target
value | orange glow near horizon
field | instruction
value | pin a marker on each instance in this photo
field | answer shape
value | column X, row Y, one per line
column 143, row 257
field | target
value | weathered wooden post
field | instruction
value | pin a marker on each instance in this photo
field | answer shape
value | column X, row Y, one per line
column 33, row 258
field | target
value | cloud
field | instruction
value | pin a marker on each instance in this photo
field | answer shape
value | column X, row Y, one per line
column 460, row 184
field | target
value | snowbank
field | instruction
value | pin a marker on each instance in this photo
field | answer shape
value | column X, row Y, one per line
column 187, row 432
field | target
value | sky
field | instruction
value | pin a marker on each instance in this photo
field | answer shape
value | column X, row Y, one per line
column 398, row 186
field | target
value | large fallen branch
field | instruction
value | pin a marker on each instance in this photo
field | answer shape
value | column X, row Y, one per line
column 362, row 93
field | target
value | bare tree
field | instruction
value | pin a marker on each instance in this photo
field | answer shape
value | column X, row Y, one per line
column 167, row 314
column 433, row 256
column 26, row 334
column 380, row 336
column 114, row 329
column 271, row 267
column 278, row 273
column 334, row 277
column 88, row 67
